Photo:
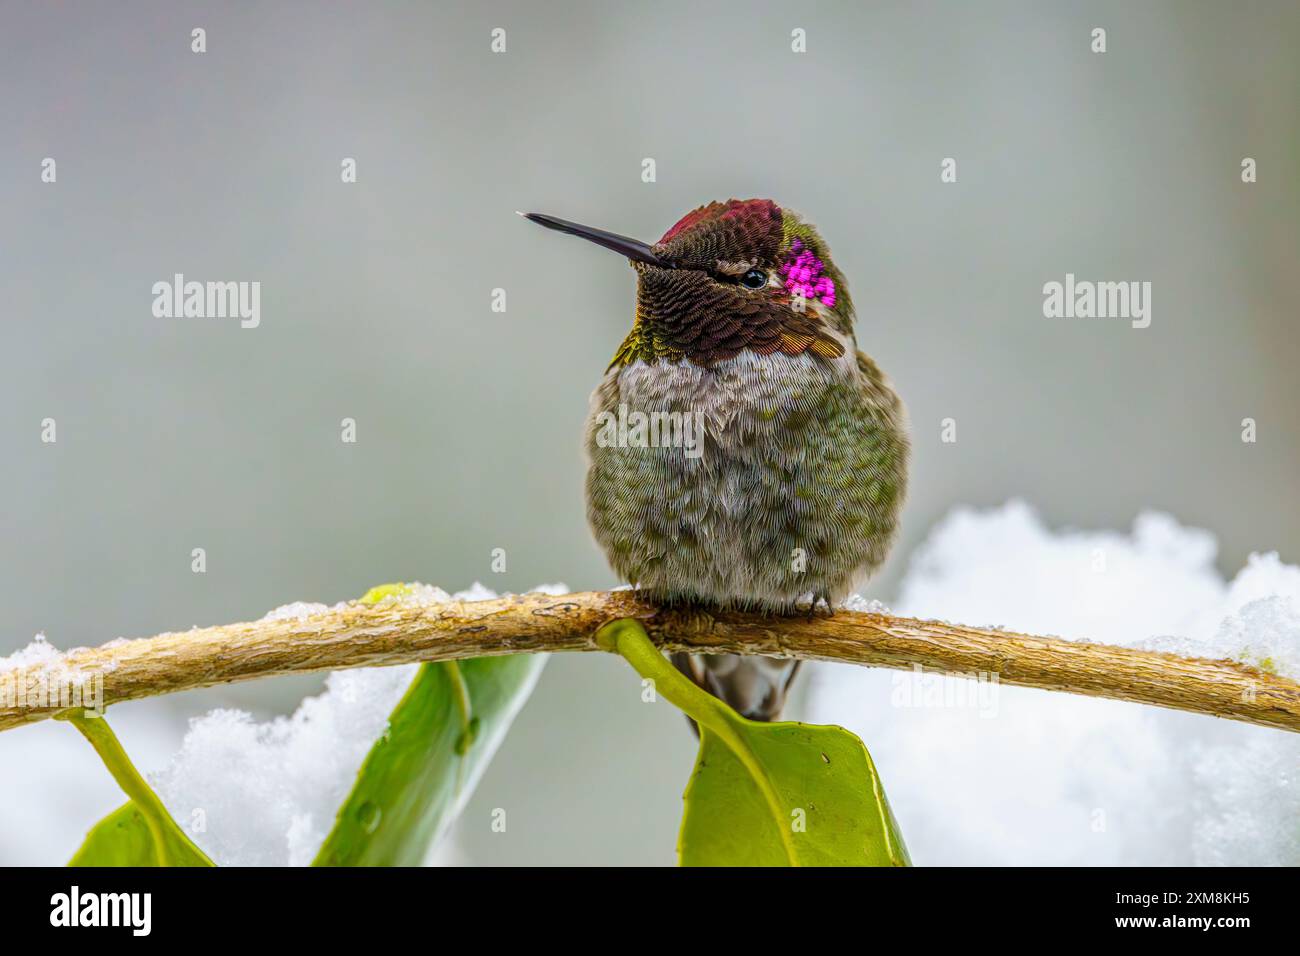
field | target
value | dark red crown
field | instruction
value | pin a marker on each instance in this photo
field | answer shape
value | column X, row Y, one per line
column 732, row 231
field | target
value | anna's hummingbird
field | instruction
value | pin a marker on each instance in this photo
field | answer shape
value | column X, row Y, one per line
column 791, row 489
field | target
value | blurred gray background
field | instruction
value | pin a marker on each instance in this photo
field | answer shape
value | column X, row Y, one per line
column 183, row 433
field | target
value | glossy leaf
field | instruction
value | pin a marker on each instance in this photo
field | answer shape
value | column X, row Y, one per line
column 140, row 833
column 803, row 795
column 783, row 794
column 418, row 775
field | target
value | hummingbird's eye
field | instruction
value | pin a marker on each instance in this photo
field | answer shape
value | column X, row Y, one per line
column 754, row 279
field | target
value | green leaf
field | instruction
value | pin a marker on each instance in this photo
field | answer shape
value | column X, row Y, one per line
column 139, row 833
column 804, row 795
column 784, row 794
column 440, row 738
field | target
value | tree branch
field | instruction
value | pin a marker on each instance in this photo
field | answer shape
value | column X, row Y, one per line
column 356, row 635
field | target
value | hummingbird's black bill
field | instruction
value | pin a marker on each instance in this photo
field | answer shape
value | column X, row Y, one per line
column 634, row 249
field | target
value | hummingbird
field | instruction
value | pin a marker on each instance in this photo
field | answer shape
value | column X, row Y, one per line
column 790, row 493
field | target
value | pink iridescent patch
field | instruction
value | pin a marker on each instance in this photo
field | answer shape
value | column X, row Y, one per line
column 804, row 276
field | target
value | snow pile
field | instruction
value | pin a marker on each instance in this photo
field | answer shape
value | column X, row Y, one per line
column 266, row 793
column 39, row 675
column 1007, row 775
column 295, row 611
column 45, row 662
column 39, row 653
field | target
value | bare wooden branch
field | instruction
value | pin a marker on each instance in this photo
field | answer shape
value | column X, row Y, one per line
column 358, row 635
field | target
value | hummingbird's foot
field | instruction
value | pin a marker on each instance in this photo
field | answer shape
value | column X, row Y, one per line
column 826, row 599
column 823, row 597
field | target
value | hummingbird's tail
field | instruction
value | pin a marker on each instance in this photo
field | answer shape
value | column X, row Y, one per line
column 756, row 687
